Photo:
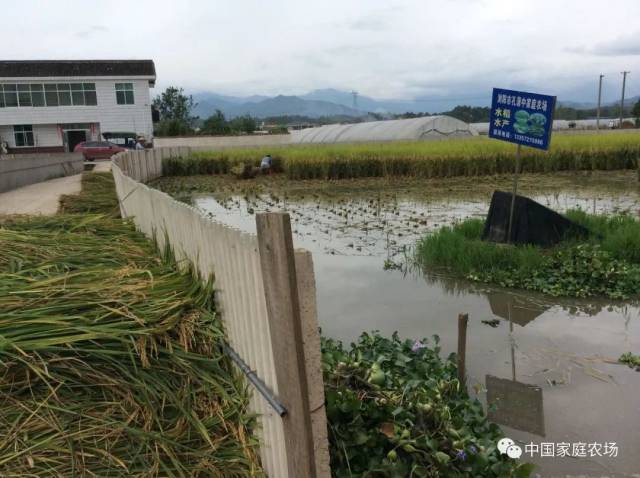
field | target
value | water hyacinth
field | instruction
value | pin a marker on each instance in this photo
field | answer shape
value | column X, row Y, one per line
column 396, row 411
column 417, row 345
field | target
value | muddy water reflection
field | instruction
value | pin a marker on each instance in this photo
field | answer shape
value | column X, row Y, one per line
column 549, row 365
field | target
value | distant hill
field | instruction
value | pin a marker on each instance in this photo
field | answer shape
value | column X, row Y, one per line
column 293, row 105
column 627, row 101
column 330, row 102
column 366, row 103
column 587, row 106
column 262, row 107
column 576, row 105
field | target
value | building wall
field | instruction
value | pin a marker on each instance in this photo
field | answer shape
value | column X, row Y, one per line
column 111, row 116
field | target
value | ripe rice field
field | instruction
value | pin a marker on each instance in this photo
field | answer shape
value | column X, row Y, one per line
column 426, row 159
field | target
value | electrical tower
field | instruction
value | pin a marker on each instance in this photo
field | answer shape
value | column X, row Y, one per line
column 355, row 99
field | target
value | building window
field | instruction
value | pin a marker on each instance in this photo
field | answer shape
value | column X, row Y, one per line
column 90, row 98
column 24, row 95
column 10, row 95
column 23, row 135
column 64, row 94
column 51, row 94
column 48, row 94
column 124, row 93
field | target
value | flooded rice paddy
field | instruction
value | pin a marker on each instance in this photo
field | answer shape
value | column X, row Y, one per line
column 549, row 364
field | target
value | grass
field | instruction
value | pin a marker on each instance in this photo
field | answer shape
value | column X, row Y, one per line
column 607, row 264
column 630, row 359
column 97, row 196
column 110, row 355
column 425, row 159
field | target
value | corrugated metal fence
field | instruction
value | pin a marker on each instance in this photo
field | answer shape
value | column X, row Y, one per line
column 266, row 297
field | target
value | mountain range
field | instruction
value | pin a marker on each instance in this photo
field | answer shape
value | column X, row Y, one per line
column 332, row 102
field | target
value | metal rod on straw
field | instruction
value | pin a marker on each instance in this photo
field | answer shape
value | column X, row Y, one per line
column 262, row 388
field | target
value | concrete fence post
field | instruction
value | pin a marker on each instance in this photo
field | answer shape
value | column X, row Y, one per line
column 313, row 360
column 277, row 261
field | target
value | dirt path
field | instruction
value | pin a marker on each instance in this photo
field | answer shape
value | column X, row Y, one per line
column 42, row 198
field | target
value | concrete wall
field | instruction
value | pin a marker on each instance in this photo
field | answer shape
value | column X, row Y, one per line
column 23, row 169
column 225, row 142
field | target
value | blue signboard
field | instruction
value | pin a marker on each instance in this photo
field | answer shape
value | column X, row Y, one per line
column 522, row 118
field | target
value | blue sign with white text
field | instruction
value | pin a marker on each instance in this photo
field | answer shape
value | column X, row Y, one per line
column 522, row 118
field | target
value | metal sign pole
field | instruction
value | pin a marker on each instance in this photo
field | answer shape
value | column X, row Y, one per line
column 515, row 191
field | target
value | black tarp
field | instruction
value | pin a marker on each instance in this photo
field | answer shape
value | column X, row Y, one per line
column 533, row 223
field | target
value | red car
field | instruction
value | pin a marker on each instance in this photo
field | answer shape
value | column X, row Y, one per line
column 98, row 149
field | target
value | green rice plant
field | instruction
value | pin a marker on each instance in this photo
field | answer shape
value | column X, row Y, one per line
column 425, row 159
column 460, row 249
column 619, row 235
column 110, row 359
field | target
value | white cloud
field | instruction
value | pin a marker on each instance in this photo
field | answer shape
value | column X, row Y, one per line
column 622, row 46
column 403, row 49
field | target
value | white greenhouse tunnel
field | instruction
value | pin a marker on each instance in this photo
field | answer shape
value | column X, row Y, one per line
column 414, row 129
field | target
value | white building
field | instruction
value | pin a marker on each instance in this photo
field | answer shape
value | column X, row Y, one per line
column 50, row 106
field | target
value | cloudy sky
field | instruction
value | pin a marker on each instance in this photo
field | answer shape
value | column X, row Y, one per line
column 401, row 49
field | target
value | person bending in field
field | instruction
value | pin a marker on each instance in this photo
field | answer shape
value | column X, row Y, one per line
column 265, row 164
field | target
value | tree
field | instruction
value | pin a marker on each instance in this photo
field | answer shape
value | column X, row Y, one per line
column 470, row 114
column 172, row 127
column 216, row 124
column 175, row 110
column 243, row 124
column 636, row 113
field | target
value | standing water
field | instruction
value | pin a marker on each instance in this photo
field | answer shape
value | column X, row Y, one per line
column 550, row 363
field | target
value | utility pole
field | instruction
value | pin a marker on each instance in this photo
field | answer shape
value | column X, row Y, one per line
column 599, row 98
column 355, row 99
column 624, row 82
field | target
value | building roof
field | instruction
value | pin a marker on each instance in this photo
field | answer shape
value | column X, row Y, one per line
column 46, row 68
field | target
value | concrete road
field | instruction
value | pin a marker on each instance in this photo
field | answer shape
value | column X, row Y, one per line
column 39, row 198
column 42, row 198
